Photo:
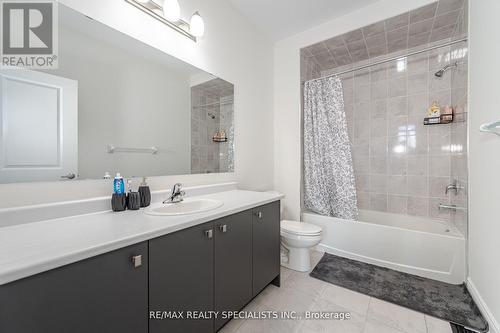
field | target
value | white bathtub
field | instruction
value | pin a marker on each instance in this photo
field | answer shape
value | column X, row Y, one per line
column 419, row 246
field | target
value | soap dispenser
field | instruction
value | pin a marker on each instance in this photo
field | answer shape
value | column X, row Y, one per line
column 133, row 198
column 145, row 193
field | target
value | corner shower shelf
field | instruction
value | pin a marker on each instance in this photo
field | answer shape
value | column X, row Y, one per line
column 219, row 140
column 441, row 120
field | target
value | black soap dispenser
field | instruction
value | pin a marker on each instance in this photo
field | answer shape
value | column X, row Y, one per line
column 133, row 198
column 145, row 193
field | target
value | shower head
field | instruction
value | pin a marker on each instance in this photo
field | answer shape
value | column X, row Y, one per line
column 211, row 115
column 446, row 68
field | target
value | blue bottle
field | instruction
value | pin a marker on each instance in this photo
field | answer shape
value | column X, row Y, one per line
column 118, row 184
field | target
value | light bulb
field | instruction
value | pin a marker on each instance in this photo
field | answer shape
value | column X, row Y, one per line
column 197, row 26
column 171, row 10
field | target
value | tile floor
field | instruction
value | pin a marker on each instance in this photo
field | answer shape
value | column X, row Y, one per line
column 299, row 292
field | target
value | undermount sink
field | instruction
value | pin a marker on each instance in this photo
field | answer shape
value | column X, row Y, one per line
column 188, row 206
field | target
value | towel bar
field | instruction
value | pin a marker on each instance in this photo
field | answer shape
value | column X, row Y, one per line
column 493, row 127
column 112, row 149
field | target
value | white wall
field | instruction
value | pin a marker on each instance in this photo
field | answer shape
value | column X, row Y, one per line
column 484, row 158
column 287, row 115
column 231, row 49
column 127, row 101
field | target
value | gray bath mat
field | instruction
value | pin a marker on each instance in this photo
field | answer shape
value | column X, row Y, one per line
column 449, row 302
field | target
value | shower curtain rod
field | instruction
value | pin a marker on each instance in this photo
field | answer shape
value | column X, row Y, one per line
column 391, row 59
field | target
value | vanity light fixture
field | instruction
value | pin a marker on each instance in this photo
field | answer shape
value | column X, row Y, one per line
column 170, row 14
column 171, row 10
column 197, row 26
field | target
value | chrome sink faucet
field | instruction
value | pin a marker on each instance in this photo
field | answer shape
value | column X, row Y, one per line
column 177, row 194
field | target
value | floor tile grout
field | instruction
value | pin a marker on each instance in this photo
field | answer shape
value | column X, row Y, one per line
column 299, row 292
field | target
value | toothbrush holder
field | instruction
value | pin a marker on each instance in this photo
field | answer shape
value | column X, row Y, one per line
column 119, row 202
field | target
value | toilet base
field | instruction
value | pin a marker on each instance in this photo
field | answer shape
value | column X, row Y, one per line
column 298, row 259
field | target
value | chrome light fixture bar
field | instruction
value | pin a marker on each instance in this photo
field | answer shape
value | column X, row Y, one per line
column 155, row 10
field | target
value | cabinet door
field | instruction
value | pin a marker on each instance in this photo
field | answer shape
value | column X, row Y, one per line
column 103, row 294
column 233, row 263
column 181, row 278
column 266, row 245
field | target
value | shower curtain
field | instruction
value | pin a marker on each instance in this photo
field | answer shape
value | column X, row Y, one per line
column 329, row 183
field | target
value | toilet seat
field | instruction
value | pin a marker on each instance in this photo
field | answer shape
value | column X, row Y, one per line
column 300, row 228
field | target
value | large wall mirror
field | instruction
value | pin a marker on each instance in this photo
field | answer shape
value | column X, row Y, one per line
column 113, row 105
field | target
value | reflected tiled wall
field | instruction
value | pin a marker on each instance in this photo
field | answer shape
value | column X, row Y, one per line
column 212, row 109
column 401, row 165
column 226, row 150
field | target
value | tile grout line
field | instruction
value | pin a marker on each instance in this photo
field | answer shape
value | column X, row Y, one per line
column 366, row 315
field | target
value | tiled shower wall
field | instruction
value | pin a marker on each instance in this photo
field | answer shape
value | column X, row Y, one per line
column 309, row 69
column 459, row 129
column 212, row 110
column 402, row 166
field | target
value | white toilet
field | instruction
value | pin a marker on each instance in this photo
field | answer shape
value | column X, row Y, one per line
column 298, row 238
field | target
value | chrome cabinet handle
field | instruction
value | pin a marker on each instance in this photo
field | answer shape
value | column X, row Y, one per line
column 209, row 233
column 259, row 215
column 137, row 261
column 223, row 228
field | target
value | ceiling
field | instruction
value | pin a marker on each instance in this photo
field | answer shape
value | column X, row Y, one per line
column 283, row 18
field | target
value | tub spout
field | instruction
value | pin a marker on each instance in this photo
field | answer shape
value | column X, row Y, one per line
column 455, row 187
column 452, row 207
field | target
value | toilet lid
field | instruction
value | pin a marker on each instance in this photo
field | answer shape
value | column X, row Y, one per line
column 300, row 228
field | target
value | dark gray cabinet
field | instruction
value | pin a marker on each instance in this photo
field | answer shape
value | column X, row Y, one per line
column 266, row 246
column 102, row 294
column 217, row 266
column 181, row 278
column 233, row 263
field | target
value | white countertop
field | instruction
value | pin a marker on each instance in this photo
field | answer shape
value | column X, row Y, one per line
column 32, row 248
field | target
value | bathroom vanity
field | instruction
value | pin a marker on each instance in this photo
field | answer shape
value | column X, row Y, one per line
column 213, row 261
column 120, row 106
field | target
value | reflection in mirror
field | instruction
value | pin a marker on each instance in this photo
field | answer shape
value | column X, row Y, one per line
column 113, row 105
column 212, row 127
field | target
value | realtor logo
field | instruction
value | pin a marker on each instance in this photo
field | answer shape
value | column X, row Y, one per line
column 29, row 33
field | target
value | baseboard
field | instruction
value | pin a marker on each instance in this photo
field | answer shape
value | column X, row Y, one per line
column 488, row 315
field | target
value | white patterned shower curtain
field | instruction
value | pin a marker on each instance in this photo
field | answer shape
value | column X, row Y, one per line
column 329, row 182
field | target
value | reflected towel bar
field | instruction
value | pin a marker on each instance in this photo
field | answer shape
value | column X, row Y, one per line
column 493, row 127
column 112, row 149
column 452, row 207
